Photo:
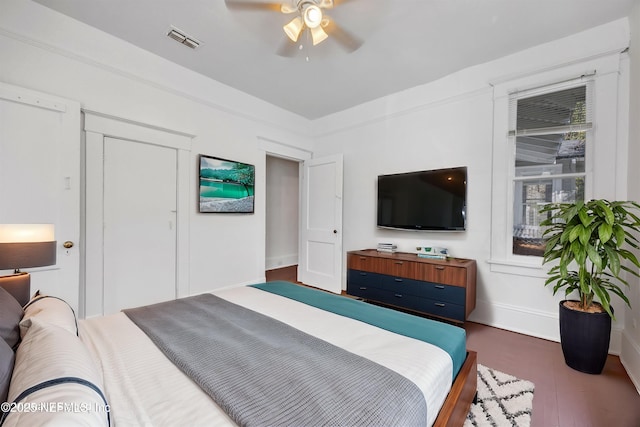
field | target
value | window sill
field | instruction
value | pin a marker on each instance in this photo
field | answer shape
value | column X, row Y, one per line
column 531, row 269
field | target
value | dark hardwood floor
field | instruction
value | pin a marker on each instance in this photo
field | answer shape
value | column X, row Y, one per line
column 563, row 397
column 290, row 274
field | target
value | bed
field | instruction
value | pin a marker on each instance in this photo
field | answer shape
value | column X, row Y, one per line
column 284, row 355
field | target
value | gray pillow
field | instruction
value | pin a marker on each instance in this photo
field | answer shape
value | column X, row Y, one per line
column 7, row 359
column 10, row 315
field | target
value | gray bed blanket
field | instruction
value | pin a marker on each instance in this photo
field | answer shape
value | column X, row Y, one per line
column 263, row 372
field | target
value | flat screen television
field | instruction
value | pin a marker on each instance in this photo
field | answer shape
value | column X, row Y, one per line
column 425, row 200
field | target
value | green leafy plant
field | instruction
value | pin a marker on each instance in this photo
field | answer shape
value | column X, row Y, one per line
column 591, row 236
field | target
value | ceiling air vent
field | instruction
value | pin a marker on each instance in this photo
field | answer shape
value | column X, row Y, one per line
column 183, row 38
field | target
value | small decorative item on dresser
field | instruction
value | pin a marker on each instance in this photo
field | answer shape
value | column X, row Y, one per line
column 387, row 247
column 432, row 252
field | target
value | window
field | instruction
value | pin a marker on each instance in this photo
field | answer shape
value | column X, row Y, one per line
column 550, row 132
column 558, row 135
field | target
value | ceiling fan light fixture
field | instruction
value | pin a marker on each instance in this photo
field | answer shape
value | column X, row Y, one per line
column 318, row 35
column 312, row 16
column 294, row 28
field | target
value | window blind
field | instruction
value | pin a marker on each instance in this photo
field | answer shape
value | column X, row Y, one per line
column 561, row 111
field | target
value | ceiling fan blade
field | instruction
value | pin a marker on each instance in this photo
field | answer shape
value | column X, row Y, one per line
column 348, row 41
column 339, row 2
column 247, row 5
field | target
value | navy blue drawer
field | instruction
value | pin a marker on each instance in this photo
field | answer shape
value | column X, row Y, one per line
column 448, row 293
column 384, row 296
column 434, row 307
column 400, row 284
column 358, row 277
column 368, row 292
column 454, row 294
column 430, row 298
column 412, row 302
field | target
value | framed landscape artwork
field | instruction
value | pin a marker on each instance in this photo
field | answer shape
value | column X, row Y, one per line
column 226, row 186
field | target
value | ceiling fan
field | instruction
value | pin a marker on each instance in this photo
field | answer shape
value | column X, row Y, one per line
column 310, row 15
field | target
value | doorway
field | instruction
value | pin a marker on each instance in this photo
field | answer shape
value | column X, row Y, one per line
column 282, row 218
column 320, row 217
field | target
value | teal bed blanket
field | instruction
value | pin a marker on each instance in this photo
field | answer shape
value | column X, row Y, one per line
column 451, row 339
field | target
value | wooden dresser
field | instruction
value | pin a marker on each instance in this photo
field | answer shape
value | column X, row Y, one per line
column 440, row 288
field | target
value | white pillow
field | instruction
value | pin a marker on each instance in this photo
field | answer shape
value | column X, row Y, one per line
column 51, row 310
column 47, row 355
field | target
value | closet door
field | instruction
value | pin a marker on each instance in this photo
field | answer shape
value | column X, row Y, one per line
column 40, row 179
column 136, row 203
column 139, row 224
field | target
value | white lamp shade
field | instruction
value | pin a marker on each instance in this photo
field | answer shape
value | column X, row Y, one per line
column 312, row 16
column 318, row 35
column 26, row 233
column 294, row 28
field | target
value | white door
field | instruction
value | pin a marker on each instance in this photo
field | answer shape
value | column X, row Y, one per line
column 321, row 228
column 139, row 224
column 40, row 178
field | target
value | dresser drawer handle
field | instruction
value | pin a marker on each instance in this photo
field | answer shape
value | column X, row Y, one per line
column 362, row 273
column 439, row 304
column 439, row 286
column 399, row 262
column 362, row 258
column 399, row 280
column 439, row 267
column 363, row 288
column 398, row 295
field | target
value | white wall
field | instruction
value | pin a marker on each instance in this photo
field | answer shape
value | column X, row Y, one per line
column 450, row 123
column 630, row 354
column 282, row 196
column 46, row 51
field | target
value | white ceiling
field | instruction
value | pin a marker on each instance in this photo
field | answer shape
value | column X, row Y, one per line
column 406, row 42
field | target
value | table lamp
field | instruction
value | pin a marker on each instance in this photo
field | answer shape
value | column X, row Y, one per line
column 24, row 246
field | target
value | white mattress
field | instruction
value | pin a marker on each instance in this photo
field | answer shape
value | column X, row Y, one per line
column 145, row 389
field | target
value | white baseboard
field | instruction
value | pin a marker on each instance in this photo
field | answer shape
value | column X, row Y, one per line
column 529, row 322
column 630, row 358
column 281, row 261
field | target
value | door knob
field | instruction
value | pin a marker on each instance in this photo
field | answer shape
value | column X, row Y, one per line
column 68, row 244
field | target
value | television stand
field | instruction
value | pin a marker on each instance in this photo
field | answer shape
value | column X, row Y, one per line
column 444, row 289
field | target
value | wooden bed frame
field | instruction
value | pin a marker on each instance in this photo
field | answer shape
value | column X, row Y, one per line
column 463, row 392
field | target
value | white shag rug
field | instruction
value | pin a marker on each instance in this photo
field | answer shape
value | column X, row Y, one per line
column 503, row 401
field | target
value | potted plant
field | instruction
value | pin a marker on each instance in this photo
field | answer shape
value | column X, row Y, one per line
column 590, row 237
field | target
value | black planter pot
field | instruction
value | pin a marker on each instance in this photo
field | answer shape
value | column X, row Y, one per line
column 585, row 339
